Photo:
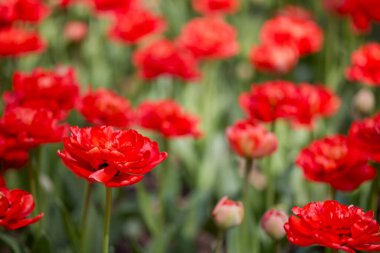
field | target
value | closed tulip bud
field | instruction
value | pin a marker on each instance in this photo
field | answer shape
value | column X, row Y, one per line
column 273, row 223
column 364, row 101
column 228, row 213
column 75, row 31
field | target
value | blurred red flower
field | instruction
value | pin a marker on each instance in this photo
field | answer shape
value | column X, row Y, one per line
column 114, row 5
column 305, row 35
column 330, row 161
column 209, row 38
column 12, row 155
column 104, row 107
column 361, row 13
column 136, row 24
column 364, row 137
column 162, row 57
column 251, row 140
column 215, row 6
column 281, row 99
column 17, row 42
column 365, row 66
column 294, row 11
column 22, row 10
column 167, row 118
column 273, row 58
column 55, row 90
column 15, row 205
column 75, row 31
column 115, row 158
column 32, row 127
column 334, row 225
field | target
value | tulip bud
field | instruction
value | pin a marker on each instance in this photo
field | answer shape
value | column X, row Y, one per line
column 251, row 140
column 75, row 31
column 228, row 213
column 273, row 223
column 364, row 101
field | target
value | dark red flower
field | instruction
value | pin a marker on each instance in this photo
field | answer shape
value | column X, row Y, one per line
column 104, row 107
column 281, row 99
column 273, row 58
column 75, row 31
column 215, row 6
column 15, row 206
column 136, row 24
column 12, row 154
column 17, row 42
column 209, row 38
column 361, row 13
column 334, row 225
column 32, row 127
column 251, row 140
column 330, row 161
column 168, row 118
column 114, row 5
column 22, row 10
column 365, row 66
column 115, row 158
column 162, row 57
column 55, row 90
column 364, row 137
column 305, row 35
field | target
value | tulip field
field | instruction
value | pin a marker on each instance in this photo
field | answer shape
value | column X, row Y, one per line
column 182, row 126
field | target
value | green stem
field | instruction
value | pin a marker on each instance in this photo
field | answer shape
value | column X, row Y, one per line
column 107, row 220
column 332, row 193
column 271, row 191
column 219, row 242
column 84, row 217
column 329, row 250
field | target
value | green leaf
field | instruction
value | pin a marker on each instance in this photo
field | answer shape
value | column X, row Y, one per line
column 11, row 242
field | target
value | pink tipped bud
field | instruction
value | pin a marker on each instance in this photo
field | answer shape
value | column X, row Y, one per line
column 252, row 140
column 75, row 31
column 364, row 101
column 228, row 213
column 273, row 223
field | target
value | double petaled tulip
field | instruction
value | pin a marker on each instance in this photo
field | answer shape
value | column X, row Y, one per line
column 115, row 158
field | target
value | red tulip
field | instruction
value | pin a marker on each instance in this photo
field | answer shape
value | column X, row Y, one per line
column 215, row 6
column 104, row 107
column 209, row 38
column 16, row 42
column 305, row 35
column 136, row 24
column 32, row 127
column 251, row 140
column 364, row 137
column 15, row 206
column 330, row 161
column 114, row 5
column 334, row 225
column 365, row 66
column 55, row 90
column 22, row 10
column 167, row 118
column 274, row 58
column 115, row 158
column 163, row 57
column 296, row 12
column 12, row 154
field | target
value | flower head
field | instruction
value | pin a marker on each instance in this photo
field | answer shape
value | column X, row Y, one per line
column 167, row 118
column 228, row 213
column 163, row 57
column 15, row 206
column 211, row 7
column 31, row 11
column 251, row 140
column 334, row 225
column 209, row 38
column 273, row 223
column 104, row 107
column 115, row 158
column 330, row 161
